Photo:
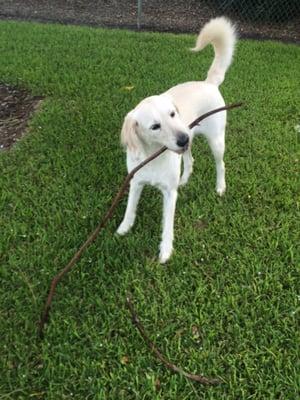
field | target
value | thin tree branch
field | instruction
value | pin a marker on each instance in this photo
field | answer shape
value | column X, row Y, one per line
column 45, row 315
column 57, row 278
column 136, row 321
column 216, row 110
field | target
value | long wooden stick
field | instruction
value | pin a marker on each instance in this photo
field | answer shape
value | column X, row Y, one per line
column 57, row 278
column 45, row 316
column 216, row 110
column 198, row 378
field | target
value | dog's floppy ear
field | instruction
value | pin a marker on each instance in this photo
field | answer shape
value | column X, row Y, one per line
column 129, row 134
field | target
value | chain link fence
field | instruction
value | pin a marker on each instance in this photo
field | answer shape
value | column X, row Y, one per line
column 274, row 19
column 260, row 19
column 273, row 11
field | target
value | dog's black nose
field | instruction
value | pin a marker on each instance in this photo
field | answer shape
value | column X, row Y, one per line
column 182, row 140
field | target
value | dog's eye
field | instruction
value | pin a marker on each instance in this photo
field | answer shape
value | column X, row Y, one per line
column 172, row 114
column 155, row 127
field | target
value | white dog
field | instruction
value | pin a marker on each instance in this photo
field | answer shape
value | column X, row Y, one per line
column 163, row 121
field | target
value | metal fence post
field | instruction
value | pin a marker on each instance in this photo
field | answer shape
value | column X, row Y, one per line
column 139, row 15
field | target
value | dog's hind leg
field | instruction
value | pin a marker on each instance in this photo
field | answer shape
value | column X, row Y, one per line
column 217, row 145
column 133, row 199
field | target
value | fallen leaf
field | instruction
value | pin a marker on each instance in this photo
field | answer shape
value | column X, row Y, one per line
column 128, row 88
column 124, row 360
column 157, row 385
column 195, row 332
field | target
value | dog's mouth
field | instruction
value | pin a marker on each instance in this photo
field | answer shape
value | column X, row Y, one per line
column 181, row 150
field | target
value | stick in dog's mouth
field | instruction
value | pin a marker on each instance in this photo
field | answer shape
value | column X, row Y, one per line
column 57, row 278
column 182, row 150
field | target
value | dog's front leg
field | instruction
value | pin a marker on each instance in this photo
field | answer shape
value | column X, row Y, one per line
column 169, row 205
column 133, row 199
column 187, row 166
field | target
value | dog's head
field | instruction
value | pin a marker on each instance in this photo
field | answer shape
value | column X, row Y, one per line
column 155, row 122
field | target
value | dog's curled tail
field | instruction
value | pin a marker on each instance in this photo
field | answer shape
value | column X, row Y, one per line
column 222, row 35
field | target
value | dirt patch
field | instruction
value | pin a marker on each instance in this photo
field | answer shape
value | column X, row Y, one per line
column 16, row 107
column 200, row 224
column 157, row 15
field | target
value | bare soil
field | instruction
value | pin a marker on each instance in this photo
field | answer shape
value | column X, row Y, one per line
column 16, row 107
column 167, row 15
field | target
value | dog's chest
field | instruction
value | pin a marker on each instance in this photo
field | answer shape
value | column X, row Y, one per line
column 162, row 173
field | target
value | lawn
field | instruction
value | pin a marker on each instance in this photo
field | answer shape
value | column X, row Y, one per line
column 226, row 305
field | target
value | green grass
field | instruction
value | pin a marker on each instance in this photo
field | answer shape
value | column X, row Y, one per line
column 228, row 302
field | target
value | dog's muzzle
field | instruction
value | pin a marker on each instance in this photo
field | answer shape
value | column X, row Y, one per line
column 182, row 142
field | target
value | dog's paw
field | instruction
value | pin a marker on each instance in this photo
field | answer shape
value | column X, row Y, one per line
column 184, row 180
column 221, row 190
column 123, row 229
column 164, row 255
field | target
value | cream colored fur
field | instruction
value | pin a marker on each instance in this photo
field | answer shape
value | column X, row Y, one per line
column 163, row 120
